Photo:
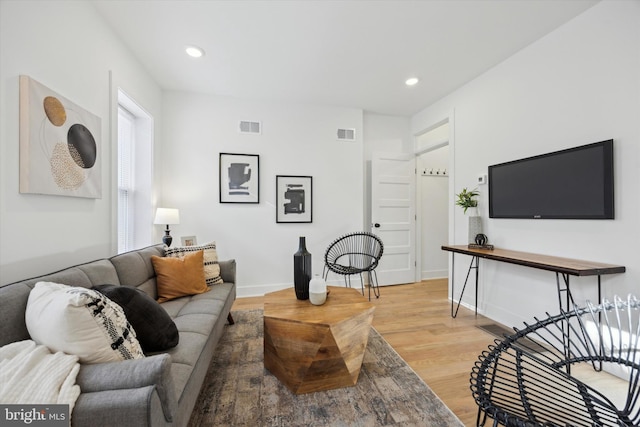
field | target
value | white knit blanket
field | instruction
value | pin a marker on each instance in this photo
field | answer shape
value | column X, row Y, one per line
column 31, row 374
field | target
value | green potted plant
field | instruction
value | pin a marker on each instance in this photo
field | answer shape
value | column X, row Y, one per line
column 466, row 199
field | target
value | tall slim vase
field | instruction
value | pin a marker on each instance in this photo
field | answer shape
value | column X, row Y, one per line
column 302, row 270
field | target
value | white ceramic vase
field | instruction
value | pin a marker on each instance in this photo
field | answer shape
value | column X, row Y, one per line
column 317, row 290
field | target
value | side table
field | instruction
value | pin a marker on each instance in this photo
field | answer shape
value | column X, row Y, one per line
column 311, row 348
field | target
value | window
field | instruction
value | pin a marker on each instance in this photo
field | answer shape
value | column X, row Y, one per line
column 135, row 178
column 126, row 161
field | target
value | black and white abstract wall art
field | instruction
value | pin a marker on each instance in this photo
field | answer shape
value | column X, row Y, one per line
column 294, row 201
column 60, row 144
column 239, row 178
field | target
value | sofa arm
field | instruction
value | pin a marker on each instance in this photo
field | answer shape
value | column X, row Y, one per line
column 228, row 270
column 152, row 371
column 138, row 407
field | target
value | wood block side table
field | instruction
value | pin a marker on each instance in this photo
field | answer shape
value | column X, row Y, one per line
column 311, row 348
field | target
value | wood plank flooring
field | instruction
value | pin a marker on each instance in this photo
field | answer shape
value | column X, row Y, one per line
column 415, row 319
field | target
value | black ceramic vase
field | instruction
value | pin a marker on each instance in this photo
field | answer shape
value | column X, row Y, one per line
column 302, row 270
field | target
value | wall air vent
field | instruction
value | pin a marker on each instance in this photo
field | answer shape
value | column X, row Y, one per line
column 346, row 134
column 250, row 127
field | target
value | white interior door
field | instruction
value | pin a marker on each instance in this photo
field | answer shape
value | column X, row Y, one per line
column 393, row 214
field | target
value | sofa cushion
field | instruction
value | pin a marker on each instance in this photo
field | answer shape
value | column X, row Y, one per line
column 177, row 277
column 80, row 321
column 13, row 303
column 135, row 269
column 211, row 266
column 154, row 328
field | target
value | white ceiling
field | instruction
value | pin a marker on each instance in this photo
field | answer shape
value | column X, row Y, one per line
column 341, row 53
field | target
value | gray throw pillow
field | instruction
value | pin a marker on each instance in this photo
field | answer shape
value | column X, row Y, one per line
column 154, row 328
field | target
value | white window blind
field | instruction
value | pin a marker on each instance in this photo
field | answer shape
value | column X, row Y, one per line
column 126, row 161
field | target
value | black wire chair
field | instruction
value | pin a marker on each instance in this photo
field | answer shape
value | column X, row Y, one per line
column 536, row 377
column 355, row 253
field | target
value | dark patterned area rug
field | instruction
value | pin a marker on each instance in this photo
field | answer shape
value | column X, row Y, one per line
column 239, row 391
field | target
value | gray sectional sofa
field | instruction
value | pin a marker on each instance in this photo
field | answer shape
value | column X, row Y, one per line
column 162, row 388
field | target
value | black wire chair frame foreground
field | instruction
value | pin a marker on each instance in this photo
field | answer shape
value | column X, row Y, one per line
column 525, row 379
column 355, row 253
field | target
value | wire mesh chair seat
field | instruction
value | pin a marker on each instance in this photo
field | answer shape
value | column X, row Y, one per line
column 355, row 253
column 543, row 374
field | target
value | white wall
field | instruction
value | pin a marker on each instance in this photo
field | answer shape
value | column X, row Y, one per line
column 434, row 212
column 295, row 140
column 580, row 84
column 67, row 47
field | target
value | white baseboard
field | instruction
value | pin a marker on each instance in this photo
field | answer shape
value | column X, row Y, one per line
column 465, row 305
column 434, row 274
column 260, row 290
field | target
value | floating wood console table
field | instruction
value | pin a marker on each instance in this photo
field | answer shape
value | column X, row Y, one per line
column 564, row 267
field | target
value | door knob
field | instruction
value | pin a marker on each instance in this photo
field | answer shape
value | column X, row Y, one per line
column 376, row 225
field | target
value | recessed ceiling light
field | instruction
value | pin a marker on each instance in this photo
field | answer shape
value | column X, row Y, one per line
column 194, row 51
column 412, row 81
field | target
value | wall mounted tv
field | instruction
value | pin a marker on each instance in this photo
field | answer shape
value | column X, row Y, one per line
column 576, row 183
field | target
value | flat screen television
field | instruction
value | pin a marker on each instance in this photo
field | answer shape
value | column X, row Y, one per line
column 576, row 183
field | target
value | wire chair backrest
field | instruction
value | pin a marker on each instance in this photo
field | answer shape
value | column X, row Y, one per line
column 359, row 251
column 526, row 378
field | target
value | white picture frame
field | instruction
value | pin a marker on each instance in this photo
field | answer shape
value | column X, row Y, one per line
column 188, row 241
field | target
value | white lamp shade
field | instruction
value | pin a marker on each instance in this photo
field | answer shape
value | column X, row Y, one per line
column 167, row 216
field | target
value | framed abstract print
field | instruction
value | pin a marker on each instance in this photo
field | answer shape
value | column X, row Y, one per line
column 294, row 201
column 239, row 178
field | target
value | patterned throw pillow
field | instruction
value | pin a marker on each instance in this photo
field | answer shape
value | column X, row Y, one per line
column 82, row 322
column 211, row 266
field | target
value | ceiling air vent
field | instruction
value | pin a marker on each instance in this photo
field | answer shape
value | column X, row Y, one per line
column 346, row 134
column 250, row 127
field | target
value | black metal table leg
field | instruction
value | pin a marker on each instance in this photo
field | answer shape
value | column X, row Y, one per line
column 477, row 269
column 453, row 282
column 471, row 266
column 565, row 308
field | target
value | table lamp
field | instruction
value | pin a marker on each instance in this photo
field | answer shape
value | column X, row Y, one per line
column 167, row 216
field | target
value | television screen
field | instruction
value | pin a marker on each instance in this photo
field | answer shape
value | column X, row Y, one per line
column 576, row 183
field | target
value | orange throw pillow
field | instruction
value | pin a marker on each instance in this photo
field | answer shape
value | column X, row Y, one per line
column 178, row 277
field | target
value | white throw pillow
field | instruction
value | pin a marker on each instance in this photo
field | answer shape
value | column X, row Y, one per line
column 82, row 322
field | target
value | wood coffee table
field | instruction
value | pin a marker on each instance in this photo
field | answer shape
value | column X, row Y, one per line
column 311, row 348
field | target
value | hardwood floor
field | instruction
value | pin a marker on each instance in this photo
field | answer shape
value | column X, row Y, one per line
column 415, row 319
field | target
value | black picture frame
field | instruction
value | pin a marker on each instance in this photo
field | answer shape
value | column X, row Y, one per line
column 294, row 199
column 239, row 178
